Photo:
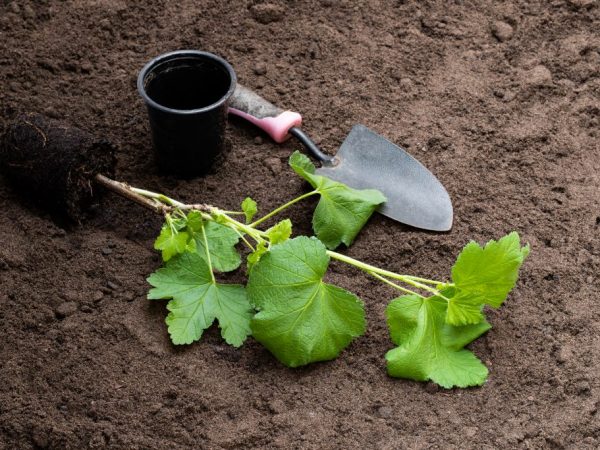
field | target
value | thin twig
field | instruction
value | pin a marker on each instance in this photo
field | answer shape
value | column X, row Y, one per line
column 198, row 207
column 124, row 190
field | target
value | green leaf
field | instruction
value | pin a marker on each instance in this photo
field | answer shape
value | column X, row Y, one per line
column 464, row 308
column 194, row 220
column 301, row 164
column 197, row 300
column 484, row 275
column 221, row 244
column 301, row 319
column 171, row 242
column 249, row 207
column 280, row 232
column 342, row 211
column 277, row 234
column 428, row 347
column 255, row 256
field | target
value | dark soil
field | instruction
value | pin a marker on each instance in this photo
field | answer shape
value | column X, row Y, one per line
column 500, row 99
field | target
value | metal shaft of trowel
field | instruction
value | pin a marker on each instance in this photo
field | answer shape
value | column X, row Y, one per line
column 311, row 146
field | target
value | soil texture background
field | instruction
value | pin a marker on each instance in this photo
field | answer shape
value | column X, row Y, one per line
column 501, row 100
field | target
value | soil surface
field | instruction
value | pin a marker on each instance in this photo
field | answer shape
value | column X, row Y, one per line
column 501, row 100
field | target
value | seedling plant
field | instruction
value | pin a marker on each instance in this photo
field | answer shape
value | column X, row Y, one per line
column 288, row 307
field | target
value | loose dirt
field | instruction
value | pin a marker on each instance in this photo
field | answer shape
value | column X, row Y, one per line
column 501, row 100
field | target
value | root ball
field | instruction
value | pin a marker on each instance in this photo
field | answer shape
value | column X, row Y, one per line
column 55, row 163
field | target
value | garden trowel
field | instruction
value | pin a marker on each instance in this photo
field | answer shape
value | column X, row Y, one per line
column 364, row 161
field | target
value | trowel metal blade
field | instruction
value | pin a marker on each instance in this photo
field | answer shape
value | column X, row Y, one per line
column 414, row 195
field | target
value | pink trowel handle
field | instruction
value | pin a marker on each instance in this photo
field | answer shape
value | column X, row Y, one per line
column 268, row 117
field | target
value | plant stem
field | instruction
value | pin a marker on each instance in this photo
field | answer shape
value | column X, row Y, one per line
column 394, row 285
column 126, row 191
column 164, row 205
column 385, row 273
column 242, row 237
column 207, row 251
column 170, row 223
column 160, row 197
column 154, row 201
column 428, row 281
column 281, row 208
column 257, row 235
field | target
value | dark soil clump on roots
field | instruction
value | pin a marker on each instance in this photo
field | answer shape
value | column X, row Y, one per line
column 54, row 163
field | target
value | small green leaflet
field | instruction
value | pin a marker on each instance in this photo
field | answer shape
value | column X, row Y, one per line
column 277, row 234
column 342, row 211
column 197, row 300
column 194, row 221
column 250, row 208
column 280, row 232
column 484, row 275
column 255, row 256
column 186, row 235
column 171, row 242
column 301, row 319
column 430, row 349
column 221, row 243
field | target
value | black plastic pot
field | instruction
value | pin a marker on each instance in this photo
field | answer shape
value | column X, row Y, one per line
column 187, row 93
